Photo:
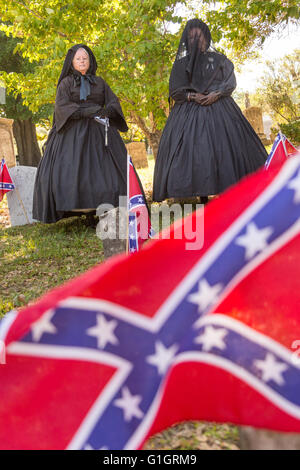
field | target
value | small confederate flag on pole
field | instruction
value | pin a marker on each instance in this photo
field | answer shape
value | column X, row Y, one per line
column 139, row 224
column 281, row 150
column 170, row 334
column 6, row 183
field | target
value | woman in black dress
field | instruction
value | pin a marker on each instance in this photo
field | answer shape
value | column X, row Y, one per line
column 78, row 170
column 207, row 144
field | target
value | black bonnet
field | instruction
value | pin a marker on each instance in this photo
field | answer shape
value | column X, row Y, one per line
column 67, row 67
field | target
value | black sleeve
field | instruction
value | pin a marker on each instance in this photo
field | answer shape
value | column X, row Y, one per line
column 87, row 111
column 76, row 114
column 64, row 106
column 113, row 110
column 180, row 96
column 228, row 84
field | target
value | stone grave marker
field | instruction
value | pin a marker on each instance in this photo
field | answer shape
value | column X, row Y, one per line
column 111, row 229
column 20, row 199
column 137, row 151
column 6, row 142
column 255, row 117
column 262, row 439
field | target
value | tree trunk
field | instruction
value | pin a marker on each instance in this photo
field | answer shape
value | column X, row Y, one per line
column 25, row 135
column 154, row 139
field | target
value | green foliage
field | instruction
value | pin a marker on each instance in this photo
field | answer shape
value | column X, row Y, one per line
column 245, row 24
column 132, row 41
column 13, row 64
column 280, row 88
column 292, row 131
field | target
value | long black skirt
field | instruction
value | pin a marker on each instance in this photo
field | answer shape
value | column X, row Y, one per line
column 204, row 150
column 78, row 171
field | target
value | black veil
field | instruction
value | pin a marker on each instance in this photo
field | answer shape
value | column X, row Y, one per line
column 196, row 60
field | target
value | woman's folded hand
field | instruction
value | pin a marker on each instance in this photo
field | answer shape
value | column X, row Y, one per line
column 196, row 97
column 205, row 100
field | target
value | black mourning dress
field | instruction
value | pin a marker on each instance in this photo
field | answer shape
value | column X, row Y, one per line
column 77, row 170
column 204, row 149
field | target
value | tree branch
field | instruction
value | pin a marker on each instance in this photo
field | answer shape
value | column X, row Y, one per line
column 39, row 17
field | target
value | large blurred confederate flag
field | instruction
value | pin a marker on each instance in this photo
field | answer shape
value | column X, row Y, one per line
column 167, row 334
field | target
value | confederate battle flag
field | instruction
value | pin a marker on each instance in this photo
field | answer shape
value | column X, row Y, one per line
column 281, row 150
column 139, row 224
column 6, row 183
column 170, row 334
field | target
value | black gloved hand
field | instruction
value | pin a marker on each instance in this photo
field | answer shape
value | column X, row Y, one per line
column 91, row 111
column 204, row 100
column 108, row 112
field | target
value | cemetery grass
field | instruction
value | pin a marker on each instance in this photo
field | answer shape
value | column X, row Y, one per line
column 38, row 257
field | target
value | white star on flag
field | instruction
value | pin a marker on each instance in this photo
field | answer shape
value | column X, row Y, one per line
column 212, row 338
column 43, row 325
column 206, row 294
column 130, row 405
column 255, row 239
column 271, row 369
column 140, row 199
column 163, row 357
column 103, row 331
column 295, row 186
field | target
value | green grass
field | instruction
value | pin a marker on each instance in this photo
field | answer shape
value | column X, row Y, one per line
column 38, row 257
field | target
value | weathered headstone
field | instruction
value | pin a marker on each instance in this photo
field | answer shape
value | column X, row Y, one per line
column 2, row 95
column 255, row 117
column 20, row 199
column 261, row 439
column 137, row 151
column 111, row 229
column 6, row 142
column 267, row 122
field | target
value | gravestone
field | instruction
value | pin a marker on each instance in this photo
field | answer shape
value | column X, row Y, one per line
column 111, row 229
column 20, row 199
column 267, row 122
column 137, row 151
column 261, row 439
column 255, row 117
column 6, row 142
column 2, row 95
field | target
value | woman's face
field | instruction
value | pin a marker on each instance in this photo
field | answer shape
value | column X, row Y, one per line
column 195, row 34
column 81, row 61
